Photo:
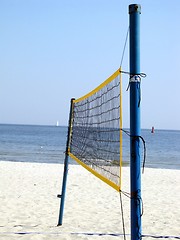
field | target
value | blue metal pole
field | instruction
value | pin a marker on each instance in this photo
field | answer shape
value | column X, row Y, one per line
column 62, row 196
column 135, row 131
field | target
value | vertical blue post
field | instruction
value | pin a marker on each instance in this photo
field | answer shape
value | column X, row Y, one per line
column 135, row 131
column 62, row 196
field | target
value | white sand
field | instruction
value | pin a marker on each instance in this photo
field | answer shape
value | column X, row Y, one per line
column 28, row 203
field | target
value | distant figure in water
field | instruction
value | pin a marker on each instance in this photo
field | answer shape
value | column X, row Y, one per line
column 152, row 130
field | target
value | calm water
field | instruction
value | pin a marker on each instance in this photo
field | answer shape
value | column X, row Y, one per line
column 46, row 144
column 26, row 143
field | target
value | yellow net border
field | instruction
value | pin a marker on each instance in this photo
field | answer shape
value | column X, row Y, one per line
column 88, row 167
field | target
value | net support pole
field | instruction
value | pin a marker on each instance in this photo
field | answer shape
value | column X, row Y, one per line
column 135, row 162
column 63, row 192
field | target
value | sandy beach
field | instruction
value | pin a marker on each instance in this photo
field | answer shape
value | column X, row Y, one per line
column 29, row 205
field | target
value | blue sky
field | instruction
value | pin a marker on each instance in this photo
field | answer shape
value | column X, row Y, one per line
column 51, row 51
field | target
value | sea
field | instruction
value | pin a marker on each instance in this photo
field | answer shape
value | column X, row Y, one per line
column 47, row 144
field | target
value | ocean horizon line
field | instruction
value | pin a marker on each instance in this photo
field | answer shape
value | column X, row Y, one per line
column 54, row 125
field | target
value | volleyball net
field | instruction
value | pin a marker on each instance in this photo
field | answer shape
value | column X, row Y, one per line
column 95, row 131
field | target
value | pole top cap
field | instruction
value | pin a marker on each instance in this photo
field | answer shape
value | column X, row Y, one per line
column 134, row 8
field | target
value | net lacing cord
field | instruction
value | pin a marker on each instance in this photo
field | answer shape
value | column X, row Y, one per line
column 144, row 145
column 138, row 199
column 139, row 203
column 126, row 39
column 132, row 76
column 122, row 214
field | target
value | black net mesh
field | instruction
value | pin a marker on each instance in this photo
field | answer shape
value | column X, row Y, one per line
column 95, row 138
